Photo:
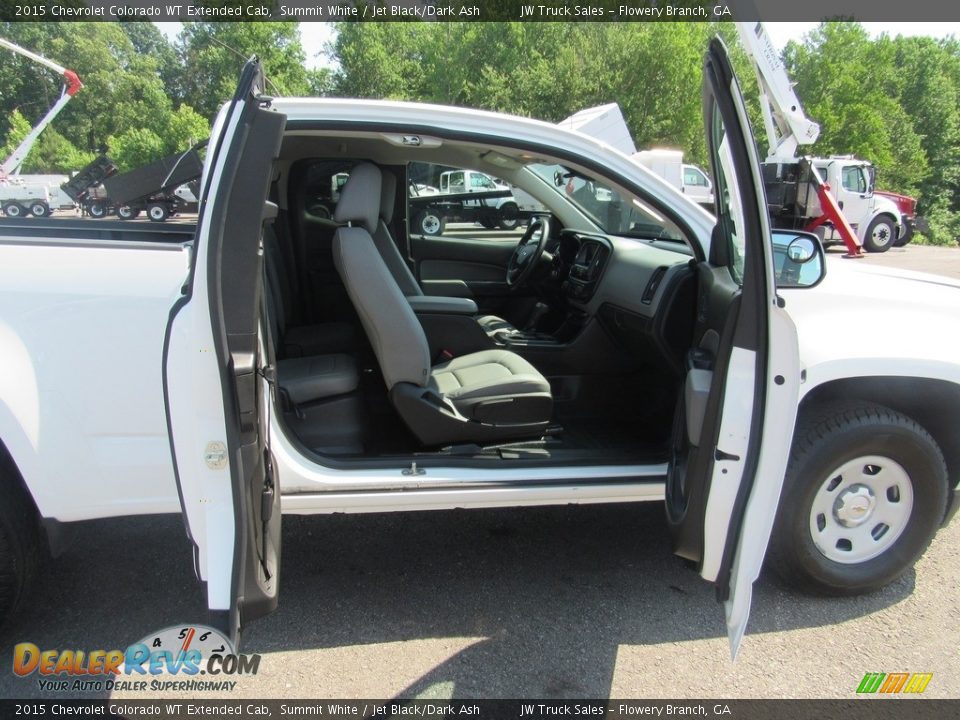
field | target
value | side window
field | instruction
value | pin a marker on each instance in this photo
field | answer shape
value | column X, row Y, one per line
column 692, row 176
column 853, row 180
column 496, row 216
column 729, row 203
column 323, row 181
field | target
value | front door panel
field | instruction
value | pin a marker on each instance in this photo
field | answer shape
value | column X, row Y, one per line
column 727, row 464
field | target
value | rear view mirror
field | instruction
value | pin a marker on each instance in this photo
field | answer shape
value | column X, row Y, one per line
column 798, row 259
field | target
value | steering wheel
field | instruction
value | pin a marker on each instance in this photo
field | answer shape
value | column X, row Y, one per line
column 528, row 252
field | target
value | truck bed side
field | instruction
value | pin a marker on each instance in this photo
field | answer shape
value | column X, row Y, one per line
column 84, row 307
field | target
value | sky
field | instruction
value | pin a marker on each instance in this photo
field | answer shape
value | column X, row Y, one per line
column 314, row 35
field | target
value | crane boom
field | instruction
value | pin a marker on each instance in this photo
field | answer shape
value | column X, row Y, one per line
column 788, row 128
column 786, row 124
column 71, row 86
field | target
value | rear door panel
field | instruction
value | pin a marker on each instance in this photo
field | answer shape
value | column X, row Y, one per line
column 214, row 388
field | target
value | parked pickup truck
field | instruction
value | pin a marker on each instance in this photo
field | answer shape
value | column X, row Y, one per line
column 636, row 349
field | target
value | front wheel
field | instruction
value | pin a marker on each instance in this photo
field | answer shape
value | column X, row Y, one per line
column 908, row 231
column 881, row 234
column 865, row 490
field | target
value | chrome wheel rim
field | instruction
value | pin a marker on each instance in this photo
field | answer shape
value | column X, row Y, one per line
column 882, row 234
column 156, row 213
column 861, row 509
column 431, row 224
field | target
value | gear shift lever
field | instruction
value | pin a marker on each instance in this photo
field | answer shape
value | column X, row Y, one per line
column 539, row 310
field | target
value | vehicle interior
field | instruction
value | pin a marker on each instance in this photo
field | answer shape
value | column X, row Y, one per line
column 562, row 338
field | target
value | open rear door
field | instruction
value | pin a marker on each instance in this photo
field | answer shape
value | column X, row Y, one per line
column 738, row 405
column 217, row 400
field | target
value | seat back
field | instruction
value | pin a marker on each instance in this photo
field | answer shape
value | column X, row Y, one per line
column 391, row 326
column 383, row 239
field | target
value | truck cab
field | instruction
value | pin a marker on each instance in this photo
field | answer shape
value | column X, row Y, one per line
column 688, row 179
column 876, row 219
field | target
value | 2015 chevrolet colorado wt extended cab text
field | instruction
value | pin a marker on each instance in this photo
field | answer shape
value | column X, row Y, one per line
column 631, row 347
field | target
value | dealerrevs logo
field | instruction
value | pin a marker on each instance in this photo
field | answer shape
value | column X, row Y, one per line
column 171, row 659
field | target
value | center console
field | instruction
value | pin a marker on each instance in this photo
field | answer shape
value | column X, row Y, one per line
column 586, row 270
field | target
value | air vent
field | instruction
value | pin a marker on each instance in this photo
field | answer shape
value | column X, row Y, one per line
column 652, row 286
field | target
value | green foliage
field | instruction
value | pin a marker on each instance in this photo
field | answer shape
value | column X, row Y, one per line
column 542, row 70
column 136, row 147
column 894, row 101
column 127, row 71
column 184, row 128
column 52, row 152
column 215, row 52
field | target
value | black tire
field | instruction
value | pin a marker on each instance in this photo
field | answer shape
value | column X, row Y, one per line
column 824, row 441
column 508, row 216
column 880, row 235
column 430, row 222
column 14, row 210
column 488, row 220
column 157, row 212
column 128, row 212
column 97, row 210
column 39, row 209
column 907, row 236
column 20, row 544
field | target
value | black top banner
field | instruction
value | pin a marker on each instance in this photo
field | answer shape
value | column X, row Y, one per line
column 479, row 10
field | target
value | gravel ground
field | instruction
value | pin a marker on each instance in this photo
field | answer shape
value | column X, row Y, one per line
column 921, row 258
column 559, row 602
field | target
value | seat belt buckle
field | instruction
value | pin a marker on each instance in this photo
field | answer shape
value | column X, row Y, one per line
column 445, row 355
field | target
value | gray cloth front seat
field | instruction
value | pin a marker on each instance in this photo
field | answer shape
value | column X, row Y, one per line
column 492, row 395
column 407, row 283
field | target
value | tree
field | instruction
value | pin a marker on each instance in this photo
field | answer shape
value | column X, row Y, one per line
column 122, row 66
column 136, row 147
column 543, row 70
column 215, row 52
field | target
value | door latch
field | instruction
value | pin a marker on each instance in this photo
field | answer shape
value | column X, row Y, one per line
column 215, row 455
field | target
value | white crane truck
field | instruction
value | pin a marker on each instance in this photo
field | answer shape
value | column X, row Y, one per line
column 834, row 196
column 19, row 195
column 159, row 369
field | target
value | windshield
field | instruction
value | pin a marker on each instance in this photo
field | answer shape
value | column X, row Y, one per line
column 614, row 213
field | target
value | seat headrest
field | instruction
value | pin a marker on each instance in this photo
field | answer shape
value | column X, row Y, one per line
column 388, row 196
column 359, row 202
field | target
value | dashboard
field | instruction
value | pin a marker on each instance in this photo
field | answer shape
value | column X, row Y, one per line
column 643, row 293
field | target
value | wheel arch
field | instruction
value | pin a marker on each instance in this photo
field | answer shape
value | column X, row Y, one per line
column 933, row 403
column 10, row 473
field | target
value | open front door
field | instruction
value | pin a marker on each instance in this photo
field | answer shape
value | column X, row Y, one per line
column 738, row 405
column 217, row 399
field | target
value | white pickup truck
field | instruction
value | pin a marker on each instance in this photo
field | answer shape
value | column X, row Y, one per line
column 268, row 360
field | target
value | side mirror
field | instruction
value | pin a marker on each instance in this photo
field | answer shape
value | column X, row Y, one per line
column 799, row 260
column 802, row 250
